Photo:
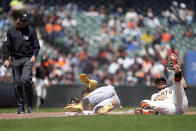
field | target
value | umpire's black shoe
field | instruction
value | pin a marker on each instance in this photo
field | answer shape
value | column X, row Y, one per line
column 29, row 109
column 20, row 111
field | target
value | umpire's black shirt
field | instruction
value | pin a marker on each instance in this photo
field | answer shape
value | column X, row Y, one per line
column 21, row 43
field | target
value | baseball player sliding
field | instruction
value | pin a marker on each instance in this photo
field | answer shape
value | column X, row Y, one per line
column 98, row 101
column 169, row 100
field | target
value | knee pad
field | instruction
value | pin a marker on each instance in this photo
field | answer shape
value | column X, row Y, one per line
column 85, row 103
column 145, row 105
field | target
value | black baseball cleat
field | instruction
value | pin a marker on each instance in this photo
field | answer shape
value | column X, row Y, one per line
column 20, row 111
column 29, row 110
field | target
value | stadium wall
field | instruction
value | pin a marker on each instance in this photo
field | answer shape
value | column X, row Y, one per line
column 59, row 95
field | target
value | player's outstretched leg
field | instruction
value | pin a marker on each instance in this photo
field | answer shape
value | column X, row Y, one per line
column 145, row 109
column 105, row 109
column 140, row 111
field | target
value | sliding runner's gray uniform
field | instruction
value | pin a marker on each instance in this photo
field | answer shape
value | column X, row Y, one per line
column 103, row 96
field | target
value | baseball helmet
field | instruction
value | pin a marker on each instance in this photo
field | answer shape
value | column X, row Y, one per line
column 160, row 77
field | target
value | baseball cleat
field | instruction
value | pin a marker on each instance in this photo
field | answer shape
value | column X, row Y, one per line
column 75, row 108
column 105, row 109
column 29, row 109
column 140, row 111
column 20, row 112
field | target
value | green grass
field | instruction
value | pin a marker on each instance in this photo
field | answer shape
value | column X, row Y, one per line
column 103, row 123
column 100, row 123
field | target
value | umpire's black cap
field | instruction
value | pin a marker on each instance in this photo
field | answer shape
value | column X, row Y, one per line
column 159, row 77
column 24, row 16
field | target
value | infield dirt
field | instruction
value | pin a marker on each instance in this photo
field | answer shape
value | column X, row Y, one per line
column 6, row 116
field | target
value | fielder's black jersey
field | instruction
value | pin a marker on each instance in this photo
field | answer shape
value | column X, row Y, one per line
column 21, row 43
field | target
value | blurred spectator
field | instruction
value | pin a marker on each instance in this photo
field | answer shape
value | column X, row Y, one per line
column 70, row 78
column 135, row 31
column 49, row 27
column 189, row 16
column 187, row 32
column 147, row 38
column 131, row 15
column 71, row 7
column 68, row 21
column 0, row 36
column 5, row 74
column 41, row 81
column 58, row 31
column 150, row 13
column 131, row 44
column 157, row 37
column 102, row 11
column 146, row 63
column 131, row 24
column 3, row 71
column 114, row 22
column 153, row 22
column 140, row 22
column 161, row 51
column 1, row 21
column 147, row 51
column 119, row 12
column 124, row 61
column 173, row 50
column 182, row 13
column 113, row 67
column 31, row 4
column 91, row 12
column 57, row 26
column 175, row 9
column 166, row 37
column 157, row 68
column 171, row 17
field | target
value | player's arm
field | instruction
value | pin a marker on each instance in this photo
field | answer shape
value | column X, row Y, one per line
column 178, row 73
column 36, row 44
column 178, row 78
column 6, row 49
column 184, row 84
column 86, row 91
column 91, row 84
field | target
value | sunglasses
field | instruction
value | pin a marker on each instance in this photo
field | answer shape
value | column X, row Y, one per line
column 23, row 20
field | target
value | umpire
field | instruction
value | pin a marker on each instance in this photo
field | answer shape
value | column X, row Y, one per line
column 22, row 46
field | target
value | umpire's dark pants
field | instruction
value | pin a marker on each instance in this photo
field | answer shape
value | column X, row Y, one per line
column 22, row 75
